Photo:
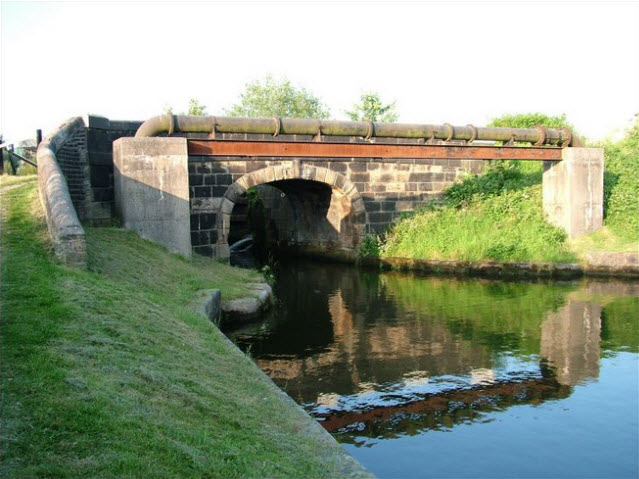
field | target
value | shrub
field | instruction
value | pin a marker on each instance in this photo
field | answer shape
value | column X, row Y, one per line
column 621, row 184
column 370, row 247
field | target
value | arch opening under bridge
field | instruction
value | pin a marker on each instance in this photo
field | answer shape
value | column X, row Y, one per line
column 309, row 208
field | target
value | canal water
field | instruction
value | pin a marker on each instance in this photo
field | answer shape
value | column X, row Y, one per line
column 438, row 377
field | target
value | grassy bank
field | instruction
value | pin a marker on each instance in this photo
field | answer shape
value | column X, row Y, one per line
column 498, row 216
column 110, row 372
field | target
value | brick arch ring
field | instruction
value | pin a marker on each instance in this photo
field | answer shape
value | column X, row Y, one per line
column 296, row 171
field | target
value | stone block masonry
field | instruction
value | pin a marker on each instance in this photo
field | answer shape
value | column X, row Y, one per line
column 100, row 135
column 72, row 158
column 314, row 213
column 86, row 160
column 307, row 188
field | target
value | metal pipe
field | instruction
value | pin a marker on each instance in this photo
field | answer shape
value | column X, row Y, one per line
column 297, row 126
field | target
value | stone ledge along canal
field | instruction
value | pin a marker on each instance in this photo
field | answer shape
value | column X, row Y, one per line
column 439, row 377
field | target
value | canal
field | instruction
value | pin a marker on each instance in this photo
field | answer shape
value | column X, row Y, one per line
column 437, row 377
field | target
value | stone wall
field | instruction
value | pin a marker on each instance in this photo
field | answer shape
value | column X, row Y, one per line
column 100, row 135
column 388, row 189
column 66, row 232
column 75, row 180
column 72, row 158
column 87, row 163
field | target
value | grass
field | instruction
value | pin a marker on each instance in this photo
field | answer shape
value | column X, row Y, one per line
column 621, row 200
column 110, row 373
column 606, row 239
column 498, row 216
column 8, row 180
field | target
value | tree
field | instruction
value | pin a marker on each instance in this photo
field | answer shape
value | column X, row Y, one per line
column 530, row 120
column 195, row 108
column 272, row 97
column 371, row 108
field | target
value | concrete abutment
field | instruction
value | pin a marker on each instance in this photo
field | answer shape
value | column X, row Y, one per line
column 573, row 191
column 151, row 182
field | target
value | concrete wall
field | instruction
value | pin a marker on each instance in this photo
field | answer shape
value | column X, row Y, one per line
column 573, row 191
column 152, row 191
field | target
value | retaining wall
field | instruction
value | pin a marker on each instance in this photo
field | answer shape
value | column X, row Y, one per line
column 65, row 229
column 87, row 162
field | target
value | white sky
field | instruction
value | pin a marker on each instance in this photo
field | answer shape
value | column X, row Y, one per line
column 455, row 62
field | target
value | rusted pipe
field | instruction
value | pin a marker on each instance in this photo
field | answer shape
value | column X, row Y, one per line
column 298, row 126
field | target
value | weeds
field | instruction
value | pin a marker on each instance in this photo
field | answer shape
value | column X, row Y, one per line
column 370, row 246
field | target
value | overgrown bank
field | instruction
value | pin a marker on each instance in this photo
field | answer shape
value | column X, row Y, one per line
column 111, row 373
column 498, row 216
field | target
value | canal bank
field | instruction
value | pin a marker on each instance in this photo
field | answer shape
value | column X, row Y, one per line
column 596, row 264
column 601, row 265
column 111, row 372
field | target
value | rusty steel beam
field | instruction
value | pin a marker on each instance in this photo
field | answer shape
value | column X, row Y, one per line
column 277, row 149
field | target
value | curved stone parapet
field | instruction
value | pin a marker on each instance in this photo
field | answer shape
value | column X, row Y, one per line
column 65, row 230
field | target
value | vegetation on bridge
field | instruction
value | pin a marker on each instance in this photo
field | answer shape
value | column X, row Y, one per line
column 111, row 373
column 498, row 215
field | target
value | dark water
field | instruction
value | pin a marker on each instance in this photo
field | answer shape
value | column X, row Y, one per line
column 432, row 377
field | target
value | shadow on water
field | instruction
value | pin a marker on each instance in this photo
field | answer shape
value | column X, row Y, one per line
column 377, row 357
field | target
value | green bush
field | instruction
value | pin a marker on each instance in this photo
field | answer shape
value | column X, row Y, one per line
column 498, row 178
column 621, row 184
column 530, row 120
column 370, row 246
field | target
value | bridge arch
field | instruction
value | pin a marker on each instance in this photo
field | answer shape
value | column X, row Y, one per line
column 329, row 210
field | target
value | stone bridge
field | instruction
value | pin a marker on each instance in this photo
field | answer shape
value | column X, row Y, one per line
column 316, row 204
column 321, row 194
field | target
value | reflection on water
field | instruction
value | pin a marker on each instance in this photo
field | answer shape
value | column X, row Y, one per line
column 384, row 360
